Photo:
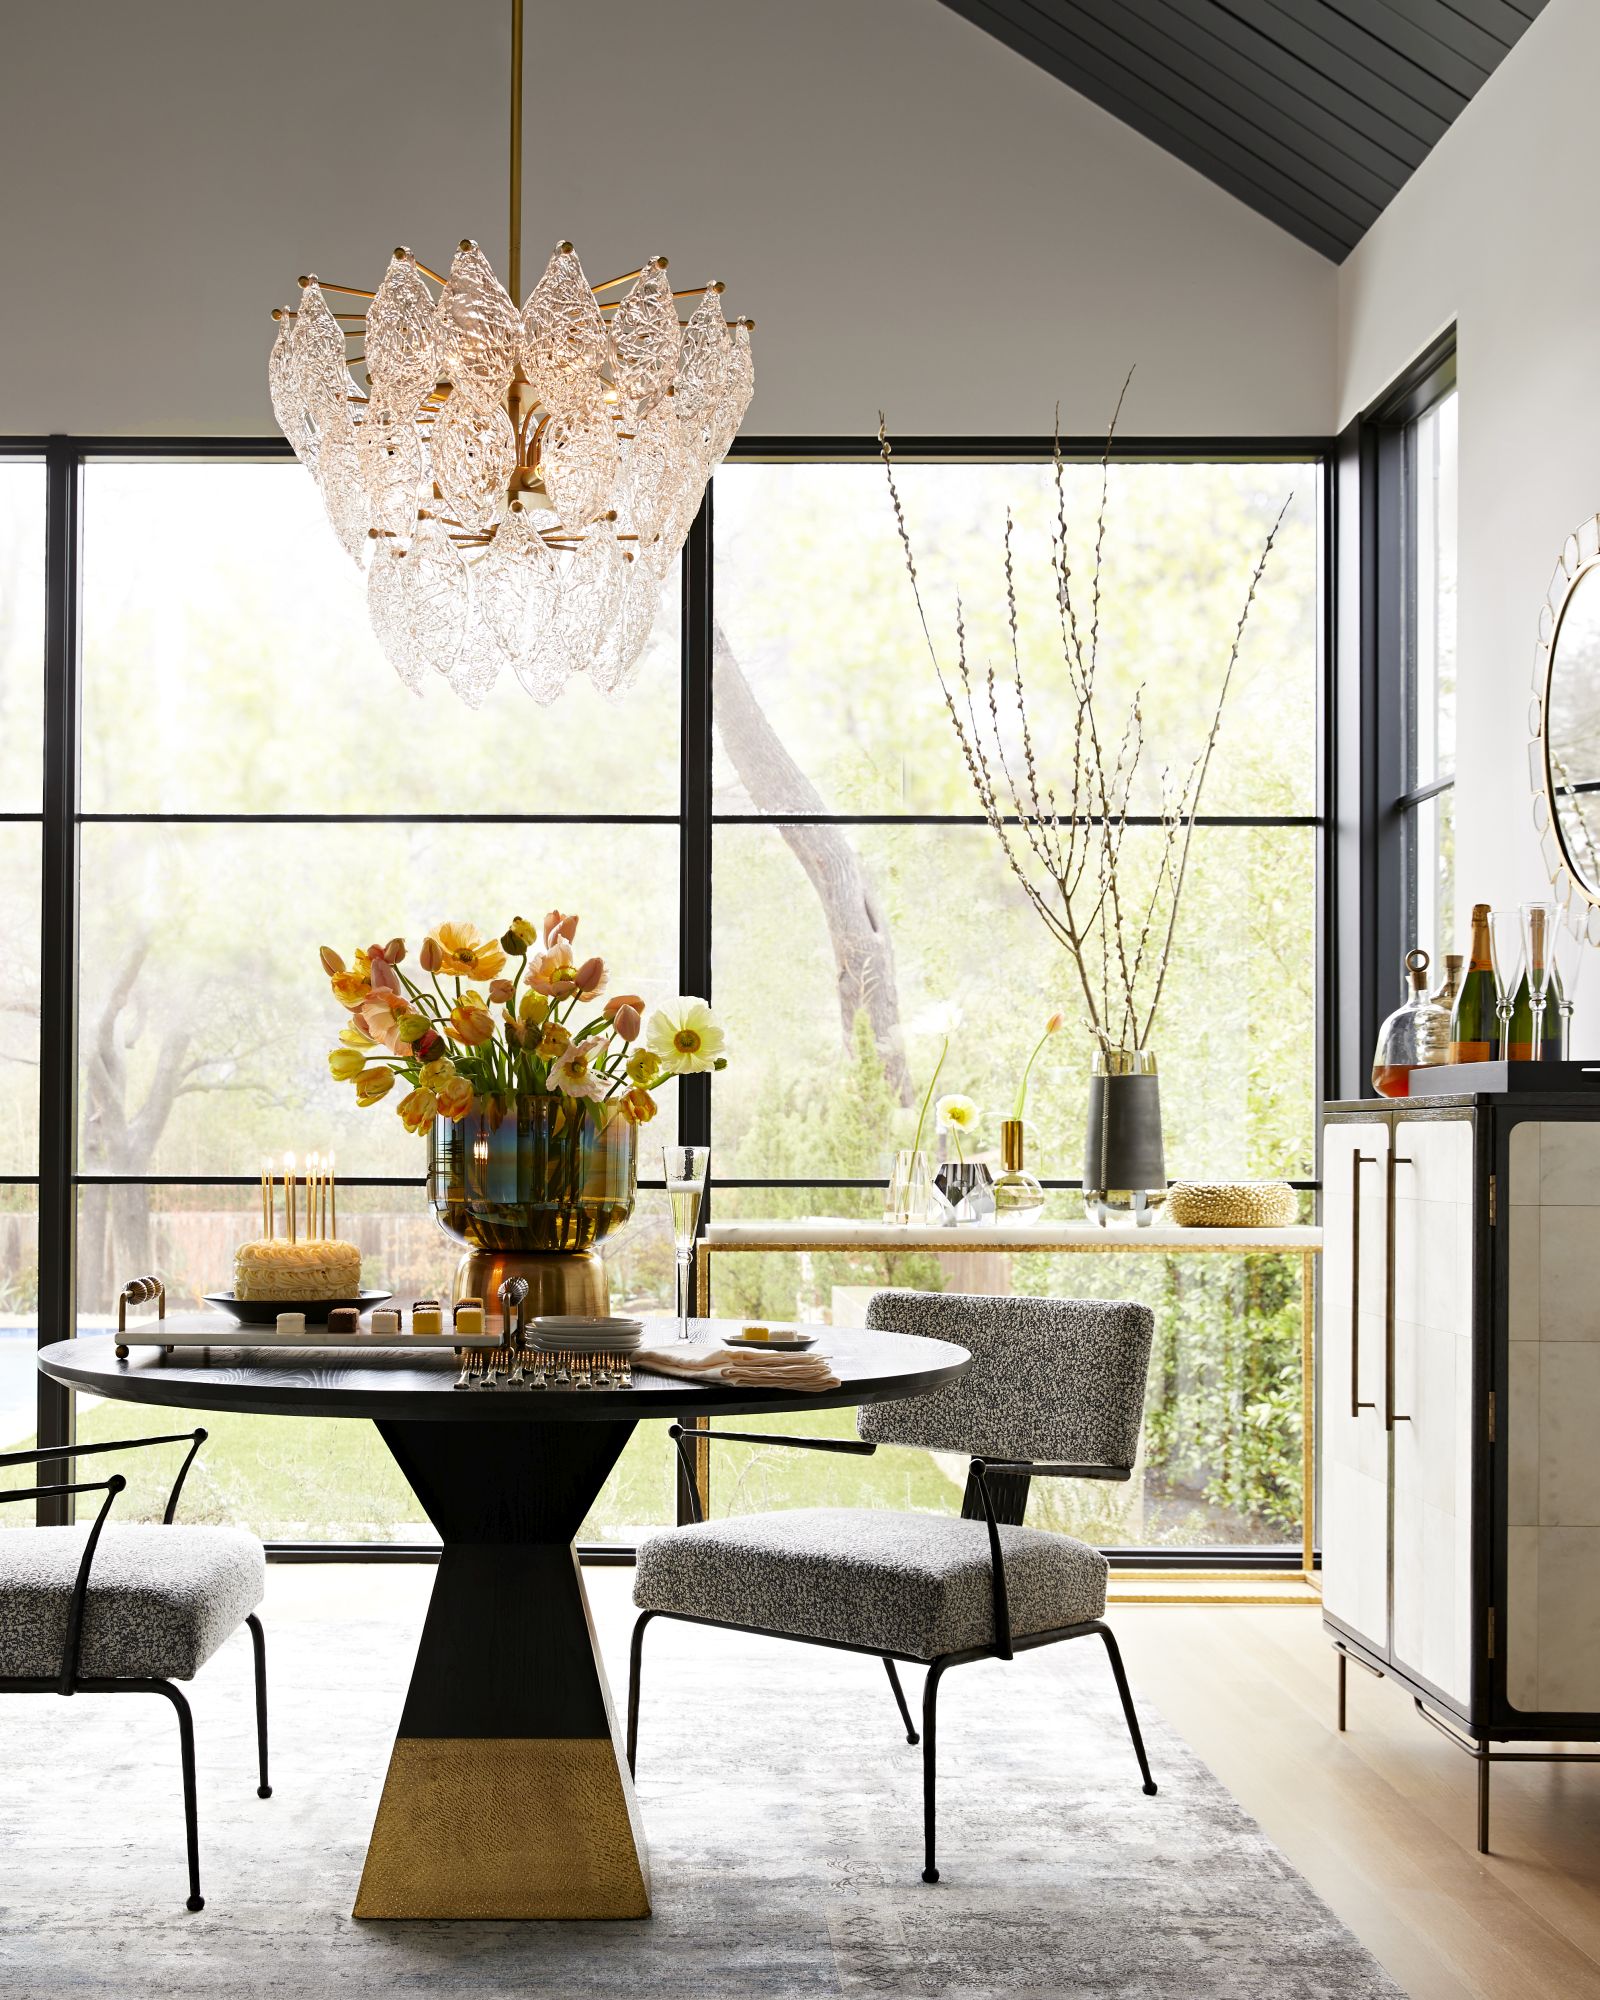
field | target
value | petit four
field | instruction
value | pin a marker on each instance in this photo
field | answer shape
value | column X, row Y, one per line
column 291, row 1322
column 385, row 1319
column 756, row 1332
column 344, row 1319
column 426, row 1316
column 469, row 1316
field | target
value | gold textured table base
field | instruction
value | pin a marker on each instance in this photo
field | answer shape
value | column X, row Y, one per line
column 500, row 1826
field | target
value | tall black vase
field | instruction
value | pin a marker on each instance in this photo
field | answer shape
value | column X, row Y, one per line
column 1124, row 1163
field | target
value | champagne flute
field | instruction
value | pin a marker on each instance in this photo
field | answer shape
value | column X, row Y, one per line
column 1505, row 961
column 1538, row 923
column 1568, row 949
column 685, row 1169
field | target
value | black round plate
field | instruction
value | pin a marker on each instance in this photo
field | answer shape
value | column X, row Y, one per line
column 264, row 1312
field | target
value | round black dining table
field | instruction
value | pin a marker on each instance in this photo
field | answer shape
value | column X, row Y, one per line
column 507, row 1794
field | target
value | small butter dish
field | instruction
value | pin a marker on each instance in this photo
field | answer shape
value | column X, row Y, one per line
column 291, row 1322
column 385, row 1319
column 426, row 1316
column 771, row 1339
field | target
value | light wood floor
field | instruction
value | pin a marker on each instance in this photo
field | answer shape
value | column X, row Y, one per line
column 1380, row 1821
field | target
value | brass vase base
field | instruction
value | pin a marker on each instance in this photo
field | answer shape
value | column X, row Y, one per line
column 559, row 1281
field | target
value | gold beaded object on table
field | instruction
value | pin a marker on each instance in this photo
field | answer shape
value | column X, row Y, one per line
column 1232, row 1204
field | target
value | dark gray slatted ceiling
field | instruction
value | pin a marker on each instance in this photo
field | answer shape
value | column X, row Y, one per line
column 1315, row 112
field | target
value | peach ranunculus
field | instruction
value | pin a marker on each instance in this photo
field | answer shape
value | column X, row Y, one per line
column 639, row 1105
column 350, row 989
column 573, row 1072
column 417, row 1110
column 374, row 1083
column 466, row 955
column 455, row 1098
column 470, row 1025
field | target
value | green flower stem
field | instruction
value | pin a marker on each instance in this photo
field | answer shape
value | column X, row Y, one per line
column 927, row 1096
column 1020, row 1101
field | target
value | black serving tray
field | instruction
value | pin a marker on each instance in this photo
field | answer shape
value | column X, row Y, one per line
column 264, row 1312
column 1503, row 1078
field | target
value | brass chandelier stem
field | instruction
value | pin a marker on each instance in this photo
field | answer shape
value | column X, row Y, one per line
column 514, row 262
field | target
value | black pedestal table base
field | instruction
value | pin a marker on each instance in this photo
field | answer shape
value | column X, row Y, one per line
column 507, row 1794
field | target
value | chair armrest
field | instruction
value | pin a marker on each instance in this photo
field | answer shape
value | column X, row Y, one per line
column 45, row 1453
column 1042, row 1470
column 73, row 1643
column 854, row 1447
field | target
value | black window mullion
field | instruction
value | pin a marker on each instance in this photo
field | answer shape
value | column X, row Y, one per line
column 58, row 980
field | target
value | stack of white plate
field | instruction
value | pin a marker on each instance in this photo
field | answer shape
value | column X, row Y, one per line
column 577, row 1334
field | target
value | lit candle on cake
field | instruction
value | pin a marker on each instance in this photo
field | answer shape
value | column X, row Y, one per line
column 289, row 1186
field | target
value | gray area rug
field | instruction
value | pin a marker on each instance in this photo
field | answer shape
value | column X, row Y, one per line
column 782, row 1805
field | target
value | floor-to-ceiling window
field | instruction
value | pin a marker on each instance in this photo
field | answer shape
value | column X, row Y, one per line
column 252, row 781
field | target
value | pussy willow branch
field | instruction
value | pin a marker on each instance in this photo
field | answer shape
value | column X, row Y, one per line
column 1070, row 865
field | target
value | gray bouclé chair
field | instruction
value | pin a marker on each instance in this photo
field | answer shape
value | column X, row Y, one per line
column 94, row 1609
column 1055, row 1390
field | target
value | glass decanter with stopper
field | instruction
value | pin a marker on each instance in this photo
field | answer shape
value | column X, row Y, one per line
column 1415, row 1036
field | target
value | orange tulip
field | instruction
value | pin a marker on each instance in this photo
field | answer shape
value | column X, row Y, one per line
column 332, row 963
column 417, row 1110
column 455, row 1098
column 374, row 1083
column 395, row 950
column 471, row 1025
column 350, row 989
column 431, row 957
column 639, row 1105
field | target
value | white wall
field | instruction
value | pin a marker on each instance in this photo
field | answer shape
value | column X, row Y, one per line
column 915, row 216
column 1497, row 232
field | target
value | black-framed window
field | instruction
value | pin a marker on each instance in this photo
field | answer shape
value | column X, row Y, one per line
column 227, row 752
column 1407, row 553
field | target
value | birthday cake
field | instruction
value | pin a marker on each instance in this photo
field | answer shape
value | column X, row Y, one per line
column 315, row 1269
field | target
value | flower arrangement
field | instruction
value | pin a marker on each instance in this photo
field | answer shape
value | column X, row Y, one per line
column 958, row 1116
column 465, row 1037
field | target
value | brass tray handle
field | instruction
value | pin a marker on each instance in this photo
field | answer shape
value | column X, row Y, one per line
column 514, row 1292
column 138, row 1292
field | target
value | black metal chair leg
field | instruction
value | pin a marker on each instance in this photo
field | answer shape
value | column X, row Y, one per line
column 1483, row 1800
column 191, row 1810
column 635, row 1663
column 258, row 1642
column 930, row 1697
column 1115, row 1654
column 900, row 1698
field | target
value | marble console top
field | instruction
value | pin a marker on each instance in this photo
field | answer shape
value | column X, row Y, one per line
column 978, row 1236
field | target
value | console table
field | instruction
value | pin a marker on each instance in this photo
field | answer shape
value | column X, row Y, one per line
column 828, row 1233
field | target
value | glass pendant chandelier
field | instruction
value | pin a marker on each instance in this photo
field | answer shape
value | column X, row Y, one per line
column 516, row 483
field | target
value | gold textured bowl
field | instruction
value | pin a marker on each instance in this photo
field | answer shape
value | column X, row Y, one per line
column 1231, row 1204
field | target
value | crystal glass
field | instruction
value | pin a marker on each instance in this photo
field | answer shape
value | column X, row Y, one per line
column 1505, row 961
column 1568, row 951
column 910, row 1186
column 1538, row 936
column 685, row 1169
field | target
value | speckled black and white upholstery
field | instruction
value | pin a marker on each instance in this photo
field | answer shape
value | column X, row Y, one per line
column 1050, row 1379
column 161, row 1600
column 913, row 1584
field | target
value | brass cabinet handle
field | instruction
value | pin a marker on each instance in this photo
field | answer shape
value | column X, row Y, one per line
column 1357, row 1162
column 1391, row 1416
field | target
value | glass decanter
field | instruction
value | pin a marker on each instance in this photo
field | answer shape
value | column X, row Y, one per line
column 1415, row 1036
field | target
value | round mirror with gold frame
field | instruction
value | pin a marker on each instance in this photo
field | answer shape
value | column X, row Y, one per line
column 1564, row 756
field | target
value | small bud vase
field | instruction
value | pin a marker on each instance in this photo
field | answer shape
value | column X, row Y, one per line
column 1018, row 1197
column 910, row 1188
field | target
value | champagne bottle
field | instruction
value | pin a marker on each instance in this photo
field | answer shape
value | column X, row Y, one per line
column 1444, row 995
column 1520, row 1039
column 1473, row 1027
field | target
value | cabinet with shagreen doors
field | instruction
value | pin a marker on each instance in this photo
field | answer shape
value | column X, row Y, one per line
column 1459, row 1411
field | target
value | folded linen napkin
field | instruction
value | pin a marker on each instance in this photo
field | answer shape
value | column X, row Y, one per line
column 744, row 1369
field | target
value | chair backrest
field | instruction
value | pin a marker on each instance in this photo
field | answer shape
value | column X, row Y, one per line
column 1051, row 1379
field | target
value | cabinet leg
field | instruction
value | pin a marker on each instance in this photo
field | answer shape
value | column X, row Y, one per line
column 1344, row 1675
column 1483, row 1800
